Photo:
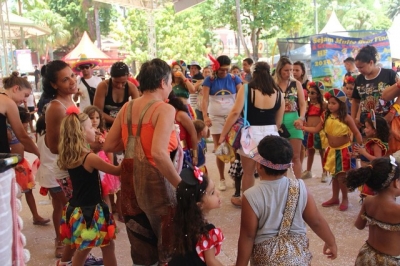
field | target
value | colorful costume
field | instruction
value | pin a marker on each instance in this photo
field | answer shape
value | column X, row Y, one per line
column 182, row 92
column 201, row 155
column 370, row 256
column 86, row 220
column 196, row 257
column 313, row 140
column 186, row 144
column 337, row 159
column 364, row 189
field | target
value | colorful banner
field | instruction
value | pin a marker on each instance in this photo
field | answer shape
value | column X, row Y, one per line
column 329, row 51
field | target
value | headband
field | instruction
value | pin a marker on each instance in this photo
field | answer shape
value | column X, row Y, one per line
column 391, row 174
column 255, row 155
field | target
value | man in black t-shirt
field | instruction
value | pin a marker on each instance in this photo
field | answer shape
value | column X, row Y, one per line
column 36, row 73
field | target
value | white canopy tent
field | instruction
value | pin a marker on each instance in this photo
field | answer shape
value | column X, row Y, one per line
column 333, row 26
column 394, row 38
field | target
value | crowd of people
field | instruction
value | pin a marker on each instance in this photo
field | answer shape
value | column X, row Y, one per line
column 143, row 139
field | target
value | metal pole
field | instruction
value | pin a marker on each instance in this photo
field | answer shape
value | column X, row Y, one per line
column 315, row 17
column 10, row 42
column 4, row 40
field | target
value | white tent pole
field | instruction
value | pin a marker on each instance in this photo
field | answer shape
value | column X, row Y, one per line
column 9, row 35
column 3, row 39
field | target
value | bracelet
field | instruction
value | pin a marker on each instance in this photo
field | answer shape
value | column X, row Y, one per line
column 302, row 118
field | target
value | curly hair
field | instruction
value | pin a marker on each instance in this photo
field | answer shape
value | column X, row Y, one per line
column 189, row 221
column 72, row 141
column 375, row 175
column 366, row 54
column 262, row 79
column 90, row 110
column 49, row 73
column 382, row 128
column 277, row 150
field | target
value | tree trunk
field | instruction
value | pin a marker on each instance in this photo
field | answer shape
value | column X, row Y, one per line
column 240, row 30
column 97, row 23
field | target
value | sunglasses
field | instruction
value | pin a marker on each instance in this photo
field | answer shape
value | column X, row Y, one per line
column 84, row 67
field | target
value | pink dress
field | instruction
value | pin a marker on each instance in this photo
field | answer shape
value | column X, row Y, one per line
column 110, row 183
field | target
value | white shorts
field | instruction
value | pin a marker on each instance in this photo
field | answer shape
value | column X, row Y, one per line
column 217, row 123
column 258, row 133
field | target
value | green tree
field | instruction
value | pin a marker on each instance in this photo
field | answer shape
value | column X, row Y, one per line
column 60, row 36
column 393, row 8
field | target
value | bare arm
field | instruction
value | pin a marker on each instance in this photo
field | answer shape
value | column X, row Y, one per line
column 100, row 98
column 302, row 101
column 204, row 107
column 133, row 90
column 279, row 114
column 351, row 124
column 19, row 131
column 355, row 103
column 210, row 259
column 391, row 92
column 187, row 123
column 163, row 121
column 360, row 223
column 233, row 115
column 315, row 129
column 95, row 162
column 55, row 113
column 248, row 230
column 318, row 224
column 113, row 142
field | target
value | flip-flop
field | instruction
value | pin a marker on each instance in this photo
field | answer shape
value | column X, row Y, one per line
column 41, row 222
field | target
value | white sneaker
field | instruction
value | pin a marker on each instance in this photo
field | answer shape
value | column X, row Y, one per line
column 306, row 175
column 222, row 185
column 324, row 178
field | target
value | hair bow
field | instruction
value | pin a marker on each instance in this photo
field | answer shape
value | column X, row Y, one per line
column 198, row 174
column 216, row 64
column 393, row 160
column 72, row 110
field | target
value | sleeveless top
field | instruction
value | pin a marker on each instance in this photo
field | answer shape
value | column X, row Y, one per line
column 291, row 101
column 368, row 147
column 87, row 188
column 313, row 110
column 181, row 91
column 110, row 107
column 4, row 146
column 334, row 127
column 261, row 117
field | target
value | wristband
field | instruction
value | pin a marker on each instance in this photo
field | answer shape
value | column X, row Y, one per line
column 302, row 118
column 396, row 107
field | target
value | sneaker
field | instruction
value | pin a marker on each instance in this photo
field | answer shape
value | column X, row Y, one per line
column 324, row 178
column 59, row 263
column 222, row 185
column 92, row 260
column 306, row 175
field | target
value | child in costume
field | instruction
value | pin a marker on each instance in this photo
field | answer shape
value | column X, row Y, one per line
column 276, row 210
column 197, row 242
column 337, row 125
column 23, row 171
column 349, row 84
column 86, row 220
column 312, row 142
column 377, row 131
column 380, row 212
column 110, row 183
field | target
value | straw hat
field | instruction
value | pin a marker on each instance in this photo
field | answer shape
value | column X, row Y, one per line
column 84, row 61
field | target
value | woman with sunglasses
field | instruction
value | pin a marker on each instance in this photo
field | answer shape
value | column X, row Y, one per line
column 219, row 95
column 182, row 86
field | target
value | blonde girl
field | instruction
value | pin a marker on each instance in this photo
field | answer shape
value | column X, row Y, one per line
column 91, row 226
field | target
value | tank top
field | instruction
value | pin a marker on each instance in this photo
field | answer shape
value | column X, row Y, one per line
column 261, row 117
column 87, row 189
column 4, row 146
column 313, row 110
column 110, row 107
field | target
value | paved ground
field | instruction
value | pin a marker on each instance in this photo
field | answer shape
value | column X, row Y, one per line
column 40, row 239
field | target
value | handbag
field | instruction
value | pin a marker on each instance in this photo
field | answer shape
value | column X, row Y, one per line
column 235, row 133
column 285, row 248
column 247, row 142
column 284, row 132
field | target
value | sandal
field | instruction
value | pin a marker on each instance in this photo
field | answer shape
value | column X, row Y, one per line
column 59, row 249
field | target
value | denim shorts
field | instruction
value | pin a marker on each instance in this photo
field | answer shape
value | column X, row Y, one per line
column 55, row 189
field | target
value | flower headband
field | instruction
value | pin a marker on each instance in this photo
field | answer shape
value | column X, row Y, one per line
column 255, row 155
column 391, row 174
column 349, row 80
